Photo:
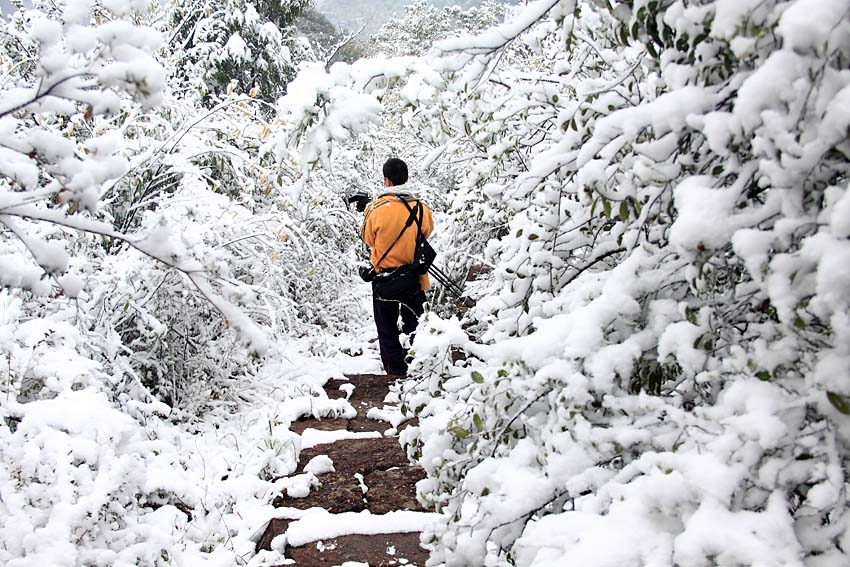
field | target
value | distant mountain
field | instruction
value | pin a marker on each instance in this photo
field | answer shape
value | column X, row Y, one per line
column 351, row 14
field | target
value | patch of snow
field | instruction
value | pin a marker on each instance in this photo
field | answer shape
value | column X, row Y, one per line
column 320, row 464
column 312, row 437
column 317, row 524
column 392, row 415
column 363, row 488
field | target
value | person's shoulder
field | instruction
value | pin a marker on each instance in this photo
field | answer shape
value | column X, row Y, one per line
column 409, row 197
column 385, row 199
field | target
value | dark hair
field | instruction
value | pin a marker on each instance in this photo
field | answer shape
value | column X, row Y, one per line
column 396, row 171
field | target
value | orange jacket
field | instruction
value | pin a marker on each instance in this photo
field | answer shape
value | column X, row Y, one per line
column 383, row 221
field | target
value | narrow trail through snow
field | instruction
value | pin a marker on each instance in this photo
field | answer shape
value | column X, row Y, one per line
column 364, row 510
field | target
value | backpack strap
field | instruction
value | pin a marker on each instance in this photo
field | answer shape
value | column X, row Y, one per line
column 413, row 214
column 410, row 220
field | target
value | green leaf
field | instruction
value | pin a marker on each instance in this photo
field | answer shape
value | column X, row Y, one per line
column 635, row 205
column 533, row 236
column 606, row 208
column 593, row 208
column 477, row 377
column 459, row 432
column 476, row 419
column 503, row 373
column 624, row 35
column 651, row 49
column 763, row 375
column 624, row 211
column 839, row 402
column 799, row 323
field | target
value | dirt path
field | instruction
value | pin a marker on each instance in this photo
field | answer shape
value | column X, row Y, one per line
column 369, row 474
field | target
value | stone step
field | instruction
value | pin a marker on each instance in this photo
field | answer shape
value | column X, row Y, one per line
column 369, row 389
column 386, row 550
column 369, row 392
column 337, row 493
column 386, row 491
column 359, row 424
column 386, row 473
column 393, row 489
column 359, row 455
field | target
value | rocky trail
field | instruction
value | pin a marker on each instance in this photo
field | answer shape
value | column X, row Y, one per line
column 370, row 492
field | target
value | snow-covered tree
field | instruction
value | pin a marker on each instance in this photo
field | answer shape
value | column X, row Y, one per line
column 131, row 220
column 656, row 370
column 416, row 30
column 62, row 76
column 220, row 46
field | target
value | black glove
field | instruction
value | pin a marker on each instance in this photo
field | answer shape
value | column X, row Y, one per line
column 359, row 200
column 367, row 273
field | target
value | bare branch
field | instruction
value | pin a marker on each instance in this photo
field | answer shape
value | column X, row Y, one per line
column 339, row 46
column 39, row 95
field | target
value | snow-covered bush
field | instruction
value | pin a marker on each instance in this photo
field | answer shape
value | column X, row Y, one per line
column 656, row 371
column 215, row 47
column 172, row 216
column 92, row 479
column 422, row 24
column 212, row 179
column 79, row 132
column 54, row 163
column 142, row 240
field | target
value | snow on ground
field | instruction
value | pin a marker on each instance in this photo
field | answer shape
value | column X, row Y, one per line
column 316, row 524
column 239, row 455
column 312, row 437
column 392, row 415
column 194, row 493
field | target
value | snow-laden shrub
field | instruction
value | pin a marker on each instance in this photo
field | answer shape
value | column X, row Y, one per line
column 210, row 179
column 167, row 225
column 73, row 485
column 422, row 24
column 217, row 47
column 656, row 370
column 95, row 474
column 75, row 471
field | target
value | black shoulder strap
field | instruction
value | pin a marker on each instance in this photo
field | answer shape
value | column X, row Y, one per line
column 410, row 220
column 413, row 214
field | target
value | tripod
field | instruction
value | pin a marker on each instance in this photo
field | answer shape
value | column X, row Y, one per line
column 455, row 290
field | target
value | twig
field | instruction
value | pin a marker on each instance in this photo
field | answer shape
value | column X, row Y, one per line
column 40, row 95
column 591, row 264
column 514, row 418
column 342, row 44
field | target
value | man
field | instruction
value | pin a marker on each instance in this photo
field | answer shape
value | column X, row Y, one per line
column 391, row 238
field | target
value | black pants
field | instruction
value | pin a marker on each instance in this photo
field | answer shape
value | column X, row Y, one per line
column 386, row 318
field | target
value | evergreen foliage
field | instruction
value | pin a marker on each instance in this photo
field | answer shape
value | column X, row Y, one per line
column 216, row 47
